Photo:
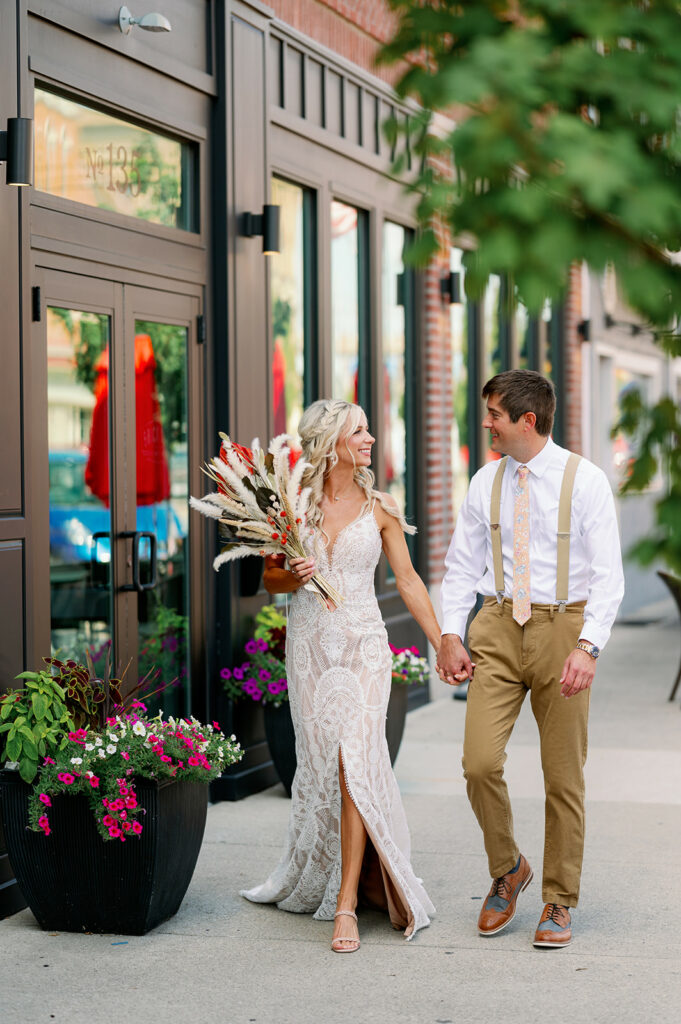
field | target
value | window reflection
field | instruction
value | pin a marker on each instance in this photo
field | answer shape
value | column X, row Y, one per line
column 345, row 310
column 458, row 325
column 395, row 296
column 80, row 520
column 162, row 508
column 288, row 306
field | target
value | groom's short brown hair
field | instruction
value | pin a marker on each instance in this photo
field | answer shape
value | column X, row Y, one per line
column 521, row 391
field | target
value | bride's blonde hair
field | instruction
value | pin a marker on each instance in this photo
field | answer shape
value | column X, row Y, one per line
column 321, row 427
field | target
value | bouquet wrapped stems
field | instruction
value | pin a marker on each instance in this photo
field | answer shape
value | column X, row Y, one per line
column 260, row 505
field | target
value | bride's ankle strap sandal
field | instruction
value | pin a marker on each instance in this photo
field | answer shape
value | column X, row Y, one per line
column 355, row 942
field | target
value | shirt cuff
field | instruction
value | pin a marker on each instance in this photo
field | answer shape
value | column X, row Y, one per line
column 595, row 633
column 454, row 623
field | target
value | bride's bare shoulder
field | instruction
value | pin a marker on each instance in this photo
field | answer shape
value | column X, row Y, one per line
column 387, row 501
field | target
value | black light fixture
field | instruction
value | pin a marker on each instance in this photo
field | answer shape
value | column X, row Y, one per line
column 450, row 287
column 265, row 224
column 584, row 330
column 16, row 149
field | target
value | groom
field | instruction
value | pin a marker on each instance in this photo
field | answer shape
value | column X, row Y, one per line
column 537, row 536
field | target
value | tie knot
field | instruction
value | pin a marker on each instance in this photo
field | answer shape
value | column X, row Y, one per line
column 522, row 472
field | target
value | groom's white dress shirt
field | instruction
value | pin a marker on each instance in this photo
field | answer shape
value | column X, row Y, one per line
column 595, row 558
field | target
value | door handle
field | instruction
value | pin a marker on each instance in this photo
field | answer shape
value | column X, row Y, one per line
column 137, row 584
column 94, row 561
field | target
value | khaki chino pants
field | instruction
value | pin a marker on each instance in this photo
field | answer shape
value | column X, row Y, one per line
column 510, row 660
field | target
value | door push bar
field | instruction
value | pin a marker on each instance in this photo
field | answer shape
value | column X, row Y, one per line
column 137, row 584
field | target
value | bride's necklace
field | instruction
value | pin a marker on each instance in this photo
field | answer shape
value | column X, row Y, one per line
column 339, row 497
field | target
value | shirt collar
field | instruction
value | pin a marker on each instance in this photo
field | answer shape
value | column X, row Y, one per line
column 541, row 461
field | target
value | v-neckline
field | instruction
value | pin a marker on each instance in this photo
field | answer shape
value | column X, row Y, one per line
column 330, row 548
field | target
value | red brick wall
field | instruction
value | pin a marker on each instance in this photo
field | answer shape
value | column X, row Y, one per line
column 354, row 29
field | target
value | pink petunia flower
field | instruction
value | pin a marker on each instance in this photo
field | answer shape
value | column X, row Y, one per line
column 66, row 778
column 136, row 827
column 94, row 782
column 108, row 820
column 43, row 821
column 44, row 799
column 125, row 755
column 193, row 761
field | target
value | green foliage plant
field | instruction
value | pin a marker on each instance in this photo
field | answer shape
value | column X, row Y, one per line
column 34, row 722
column 563, row 144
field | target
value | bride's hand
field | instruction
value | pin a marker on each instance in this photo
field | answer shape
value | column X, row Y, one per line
column 303, row 569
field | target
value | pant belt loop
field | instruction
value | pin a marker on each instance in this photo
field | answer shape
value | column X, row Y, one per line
column 552, row 608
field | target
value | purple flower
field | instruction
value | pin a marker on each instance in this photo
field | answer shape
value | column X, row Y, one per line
column 238, row 674
column 226, row 673
column 262, row 644
column 283, row 685
column 274, row 687
column 264, row 675
column 170, row 643
column 251, row 647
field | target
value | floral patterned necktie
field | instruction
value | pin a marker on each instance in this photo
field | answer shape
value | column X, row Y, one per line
column 521, row 549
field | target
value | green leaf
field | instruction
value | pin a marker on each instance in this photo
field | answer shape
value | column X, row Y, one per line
column 40, row 704
column 28, row 769
column 6, row 709
column 13, row 748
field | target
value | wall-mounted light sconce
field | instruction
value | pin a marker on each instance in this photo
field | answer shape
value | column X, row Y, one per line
column 584, row 330
column 265, row 224
column 450, row 287
column 149, row 22
column 16, row 148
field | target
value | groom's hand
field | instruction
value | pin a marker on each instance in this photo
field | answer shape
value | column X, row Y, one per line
column 453, row 664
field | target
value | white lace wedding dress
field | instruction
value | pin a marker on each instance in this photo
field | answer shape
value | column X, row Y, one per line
column 339, row 670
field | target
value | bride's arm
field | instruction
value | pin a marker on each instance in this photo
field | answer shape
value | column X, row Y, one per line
column 411, row 587
column 279, row 580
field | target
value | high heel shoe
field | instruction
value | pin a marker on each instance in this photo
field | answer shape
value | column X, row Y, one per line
column 356, row 943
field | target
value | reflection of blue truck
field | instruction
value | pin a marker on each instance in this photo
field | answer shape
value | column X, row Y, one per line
column 76, row 515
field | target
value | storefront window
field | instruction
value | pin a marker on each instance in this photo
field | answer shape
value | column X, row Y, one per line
column 458, row 327
column 90, row 157
column 345, row 302
column 80, row 514
column 291, row 286
column 395, row 301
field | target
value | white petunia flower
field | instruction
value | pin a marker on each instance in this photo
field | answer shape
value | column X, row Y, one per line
column 89, row 746
column 112, row 736
column 233, row 738
column 139, row 729
column 112, row 748
column 101, row 753
column 98, row 741
column 76, row 760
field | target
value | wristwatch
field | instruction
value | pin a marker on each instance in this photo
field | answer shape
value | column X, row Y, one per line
column 584, row 645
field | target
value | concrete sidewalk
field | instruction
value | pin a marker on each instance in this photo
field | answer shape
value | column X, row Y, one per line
column 222, row 959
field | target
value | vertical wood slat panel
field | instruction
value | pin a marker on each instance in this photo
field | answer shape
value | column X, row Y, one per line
column 10, row 334
column 353, row 113
column 252, row 384
column 293, row 81
column 370, row 122
column 334, row 102
column 278, row 93
column 314, row 93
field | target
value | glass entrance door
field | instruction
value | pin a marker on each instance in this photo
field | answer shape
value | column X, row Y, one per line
column 120, row 360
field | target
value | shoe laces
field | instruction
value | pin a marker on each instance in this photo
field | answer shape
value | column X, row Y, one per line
column 500, row 887
column 555, row 912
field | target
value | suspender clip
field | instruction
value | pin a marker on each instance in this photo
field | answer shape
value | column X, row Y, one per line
column 500, row 596
column 562, row 605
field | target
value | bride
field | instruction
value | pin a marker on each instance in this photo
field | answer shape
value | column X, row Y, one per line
column 347, row 835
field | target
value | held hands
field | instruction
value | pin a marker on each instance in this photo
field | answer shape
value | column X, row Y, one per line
column 453, row 664
column 578, row 672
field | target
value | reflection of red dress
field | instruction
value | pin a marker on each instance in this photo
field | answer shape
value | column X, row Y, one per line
column 279, row 387
column 153, row 481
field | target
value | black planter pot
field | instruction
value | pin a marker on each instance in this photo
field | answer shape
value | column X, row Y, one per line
column 281, row 740
column 396, row 717
column 75, row 881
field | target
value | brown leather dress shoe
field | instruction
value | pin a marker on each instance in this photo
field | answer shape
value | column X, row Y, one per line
column 554, row 929
column 500, row 906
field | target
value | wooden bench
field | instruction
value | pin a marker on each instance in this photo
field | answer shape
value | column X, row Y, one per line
column 674, row 584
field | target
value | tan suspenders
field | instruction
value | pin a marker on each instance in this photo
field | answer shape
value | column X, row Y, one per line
column 564, row 512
